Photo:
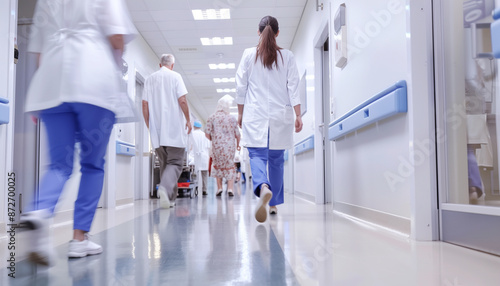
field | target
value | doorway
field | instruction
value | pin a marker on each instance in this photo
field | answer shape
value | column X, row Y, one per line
column 467, row 124
column 322, row 145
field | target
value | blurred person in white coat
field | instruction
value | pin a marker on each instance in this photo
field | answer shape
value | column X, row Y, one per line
column 166, row 113
column 267, row 96
column 201, row 152
column 75, row 92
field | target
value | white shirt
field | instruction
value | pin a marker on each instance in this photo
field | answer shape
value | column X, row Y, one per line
column 268, row 97
column 77, row 63
column 201, row 149
column 162, row 91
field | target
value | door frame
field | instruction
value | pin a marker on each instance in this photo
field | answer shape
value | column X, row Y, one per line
column 472, row 219
column 322, row 150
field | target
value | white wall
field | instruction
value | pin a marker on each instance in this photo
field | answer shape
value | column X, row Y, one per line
column 305, row 171
column 8, row 27
column 378, row 58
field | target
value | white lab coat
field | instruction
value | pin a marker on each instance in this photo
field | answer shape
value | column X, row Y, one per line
column 268, row 97
column 201, row 150
column 162, row 91
column 77, row 63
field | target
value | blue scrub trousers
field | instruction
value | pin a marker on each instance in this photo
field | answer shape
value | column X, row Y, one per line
column 262, row 160
column 67, row 124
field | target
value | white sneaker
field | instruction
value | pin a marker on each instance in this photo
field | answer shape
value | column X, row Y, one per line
column 164, row 200
column 172, row 204
column 273, row 210
column 265, row 197
column 40, row 238
column 83, row 248
column 219, row 192
column 230, row 193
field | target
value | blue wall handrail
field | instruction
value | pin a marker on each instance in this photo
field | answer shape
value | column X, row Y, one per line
column 4, row 111
column 389, row 102
column 304, row 145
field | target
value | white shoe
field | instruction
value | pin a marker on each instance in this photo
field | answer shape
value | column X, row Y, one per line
column 41, row 249
column 83, row 248
column 172, row 204
column 230, row 193
column 265, row 197
column 273, row 210
column 219, row 192
column 164, row 200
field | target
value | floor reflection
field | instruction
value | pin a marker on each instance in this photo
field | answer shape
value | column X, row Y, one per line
column 201, row 241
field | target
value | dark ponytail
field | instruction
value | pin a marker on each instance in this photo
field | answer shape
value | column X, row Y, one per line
column 267, row 48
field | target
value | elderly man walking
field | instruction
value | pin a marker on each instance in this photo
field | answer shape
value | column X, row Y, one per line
column 166, row 114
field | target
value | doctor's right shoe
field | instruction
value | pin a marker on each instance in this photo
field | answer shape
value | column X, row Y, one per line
column 164, row 200
column 41, row 249
column 265, row 197
column 219, row 193
column 83, row 248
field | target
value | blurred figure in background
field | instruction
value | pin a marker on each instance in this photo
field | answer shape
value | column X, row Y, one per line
column 222, row 130
column 75, row 92
column 201, row 150
column 166, row 113
column 267, row 96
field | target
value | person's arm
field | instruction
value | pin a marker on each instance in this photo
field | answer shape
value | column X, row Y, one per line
column 298, row 118
column 118, row 44
column 240, row 114
column 238, row 137
column 185, row 109
column 145, row 112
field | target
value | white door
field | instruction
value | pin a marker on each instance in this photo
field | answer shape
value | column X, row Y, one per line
column 467, row 124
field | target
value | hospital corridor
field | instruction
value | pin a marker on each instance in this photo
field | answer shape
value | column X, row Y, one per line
column 250, row 142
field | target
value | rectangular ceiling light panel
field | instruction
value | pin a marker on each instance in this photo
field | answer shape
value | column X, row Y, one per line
column 211, row 14
column 230, row 66
column 217, row 41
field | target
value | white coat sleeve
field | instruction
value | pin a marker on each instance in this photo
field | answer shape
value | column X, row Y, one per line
column 242, row 79
column 114, row 19
column 293, row 81
column 35, row 44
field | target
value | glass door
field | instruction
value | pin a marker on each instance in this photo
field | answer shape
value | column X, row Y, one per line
column 467, row 105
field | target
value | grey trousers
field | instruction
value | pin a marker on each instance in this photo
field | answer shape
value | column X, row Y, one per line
column 204, row 175
column 171, row 160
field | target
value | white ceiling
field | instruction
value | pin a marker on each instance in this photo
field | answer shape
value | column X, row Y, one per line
column 169, row 27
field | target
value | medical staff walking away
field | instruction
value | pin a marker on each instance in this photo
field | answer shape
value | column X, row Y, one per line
column 75, row 92
column 201, row 149
column 166, row 113
column 267, row 96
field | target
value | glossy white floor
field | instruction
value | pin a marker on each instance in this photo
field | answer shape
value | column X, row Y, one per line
column 319, row 247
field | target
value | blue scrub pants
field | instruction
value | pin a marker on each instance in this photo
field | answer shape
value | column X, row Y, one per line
column 261, row 160
column 67, row 124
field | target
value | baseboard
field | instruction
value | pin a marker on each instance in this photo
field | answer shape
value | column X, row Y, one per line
column 393, row 222
column 126, row 201
column 305, row 196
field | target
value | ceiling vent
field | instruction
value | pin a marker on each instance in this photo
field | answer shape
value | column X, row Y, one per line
column 188, row 50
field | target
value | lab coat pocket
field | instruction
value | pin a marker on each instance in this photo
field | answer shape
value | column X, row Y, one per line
column 249, row 112
column 288, row 114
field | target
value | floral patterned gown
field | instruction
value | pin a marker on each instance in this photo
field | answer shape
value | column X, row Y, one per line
column 223, row 129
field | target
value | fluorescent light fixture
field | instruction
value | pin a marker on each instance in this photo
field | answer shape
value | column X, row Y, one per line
column 217, row 41
column 211, row 14
column 222, row 90
column 224, row 80
column 221, row 66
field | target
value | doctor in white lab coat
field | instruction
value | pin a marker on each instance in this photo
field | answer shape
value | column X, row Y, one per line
column 267, row 98
column 201, row 151
column 75, row 92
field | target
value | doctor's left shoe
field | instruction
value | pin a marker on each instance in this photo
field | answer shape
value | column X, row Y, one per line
column 83, row 248
column 40, row 238
column 265, row 197
column 164, row 200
